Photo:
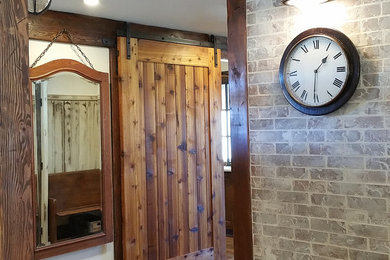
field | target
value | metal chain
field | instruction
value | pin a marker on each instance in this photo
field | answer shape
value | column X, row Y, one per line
column 69, row 36
column 78, row 47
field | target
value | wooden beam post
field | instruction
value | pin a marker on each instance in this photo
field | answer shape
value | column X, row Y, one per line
column 16, row 140
column 237, row 56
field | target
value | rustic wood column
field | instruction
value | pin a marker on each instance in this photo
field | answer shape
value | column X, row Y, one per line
column 16, row 217
column 237, row 56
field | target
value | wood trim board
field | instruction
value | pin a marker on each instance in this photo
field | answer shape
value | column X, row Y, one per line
column 16, row 153
column 237, row 56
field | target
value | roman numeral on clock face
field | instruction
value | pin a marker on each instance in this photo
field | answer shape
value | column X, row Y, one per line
column 316, row 44
column 294, row 73
column 338, row 83
column 296, row 85
column 337, row 55
column 341, row 69
column 316, row 99
column 327, row 48
column 304, row 95
column 304, row 48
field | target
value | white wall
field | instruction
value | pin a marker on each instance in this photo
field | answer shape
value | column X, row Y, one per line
column 99, row 58
column 66, row 83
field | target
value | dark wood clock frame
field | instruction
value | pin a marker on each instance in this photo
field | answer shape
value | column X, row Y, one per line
column 352, row 77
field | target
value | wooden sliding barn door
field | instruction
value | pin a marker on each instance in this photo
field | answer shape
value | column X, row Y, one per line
column 172, row 167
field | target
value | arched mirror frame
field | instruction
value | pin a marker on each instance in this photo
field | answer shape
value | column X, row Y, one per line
column 106, row 236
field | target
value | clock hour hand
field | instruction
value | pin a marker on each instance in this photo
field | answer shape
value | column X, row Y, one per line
column 323, row 61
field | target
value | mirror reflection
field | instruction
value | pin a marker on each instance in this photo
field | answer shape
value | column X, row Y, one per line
column 67, row 147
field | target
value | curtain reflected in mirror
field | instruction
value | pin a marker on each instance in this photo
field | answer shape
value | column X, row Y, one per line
column 68, row 161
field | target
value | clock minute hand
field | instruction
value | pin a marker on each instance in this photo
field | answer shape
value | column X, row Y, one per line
column 315, row 82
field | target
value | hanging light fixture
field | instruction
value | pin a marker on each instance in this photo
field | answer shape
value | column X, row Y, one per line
column 38, row 6
column 298, row 3
column 91, row 2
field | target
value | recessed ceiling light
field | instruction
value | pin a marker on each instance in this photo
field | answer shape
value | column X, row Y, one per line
column 304, row 2
column 91, row 2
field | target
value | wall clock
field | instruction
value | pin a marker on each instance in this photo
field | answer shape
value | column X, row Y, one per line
column 319, row 71
column 38, row 6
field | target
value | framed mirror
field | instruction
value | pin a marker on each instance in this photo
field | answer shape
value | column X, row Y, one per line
column 72, row 157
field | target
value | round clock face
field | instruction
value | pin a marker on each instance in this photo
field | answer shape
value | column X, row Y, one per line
column 316, row 71
column 319, row 71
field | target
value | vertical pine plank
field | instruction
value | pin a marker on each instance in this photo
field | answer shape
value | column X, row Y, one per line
column 93, row 135
column 86, row 157
column 182, row 159
column 74, row 141
column 207, row 162
column 162, row 177
column 68, row 137
column 151, row 157
column 217, row 182
column 200, row 156
column 172, row 161
column 96, row 141
column 56, row 136
column 141, row 166
column 191, row 161
column 44, row 178
column 132, row 136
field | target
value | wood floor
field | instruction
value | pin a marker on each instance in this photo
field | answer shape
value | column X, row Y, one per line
column 229, row 248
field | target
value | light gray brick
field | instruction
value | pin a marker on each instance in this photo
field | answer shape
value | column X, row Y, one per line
column 280, row 232
column 291, row 172
column 296, row 246
column 348, row 241
column 328, row 200
column 330, row 251
column 294, row 221
column 326, row 174
column 346, row 188
column 311, row 236
column 293, row 123
column 328, row 225
column 355, row 254
column 293, row 197
column 370, row 204
column 364, row 122
column 309, row 161
column 346, row 162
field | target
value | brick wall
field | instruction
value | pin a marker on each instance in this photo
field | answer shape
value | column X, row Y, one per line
column 320, row 185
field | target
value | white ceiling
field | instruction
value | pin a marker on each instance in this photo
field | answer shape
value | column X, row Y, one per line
column 204, row 16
